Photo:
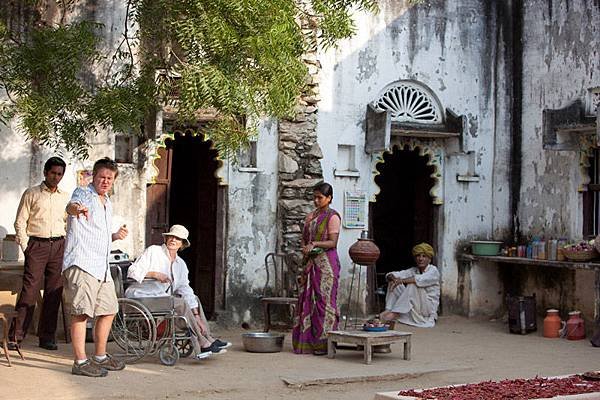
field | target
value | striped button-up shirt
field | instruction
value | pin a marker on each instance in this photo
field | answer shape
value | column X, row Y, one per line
column 41, row 213
column 89, row 240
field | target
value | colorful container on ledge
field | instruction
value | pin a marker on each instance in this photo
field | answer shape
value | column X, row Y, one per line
column 575, row 326
column 552, row 324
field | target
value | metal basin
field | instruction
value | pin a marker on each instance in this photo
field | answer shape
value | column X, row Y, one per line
column 261, row 342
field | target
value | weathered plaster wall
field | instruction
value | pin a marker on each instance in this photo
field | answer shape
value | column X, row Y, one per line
column 451, row 48
column 21, row 162
column 561, row 42
column 252, row 227
column 561, row 51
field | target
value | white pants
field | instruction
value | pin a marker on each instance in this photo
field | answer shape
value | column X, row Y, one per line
column 412, row 304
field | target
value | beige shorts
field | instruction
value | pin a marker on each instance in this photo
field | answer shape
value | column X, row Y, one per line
column 88, row 295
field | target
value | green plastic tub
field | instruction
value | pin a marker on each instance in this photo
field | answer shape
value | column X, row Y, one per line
column 485, row 247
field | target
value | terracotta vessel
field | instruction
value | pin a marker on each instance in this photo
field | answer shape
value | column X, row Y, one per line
column 575, row 326
column 364, row 251
column 552, row 324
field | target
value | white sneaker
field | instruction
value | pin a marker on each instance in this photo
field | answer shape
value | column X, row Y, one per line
column 204, row 354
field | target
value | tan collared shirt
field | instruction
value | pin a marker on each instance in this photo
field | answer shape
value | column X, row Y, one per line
column 41, row 213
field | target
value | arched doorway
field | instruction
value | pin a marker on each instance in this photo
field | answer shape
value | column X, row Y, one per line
column 403, row 213
column 187, row 192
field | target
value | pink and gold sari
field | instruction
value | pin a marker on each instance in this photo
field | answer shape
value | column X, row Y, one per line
column 317, row 311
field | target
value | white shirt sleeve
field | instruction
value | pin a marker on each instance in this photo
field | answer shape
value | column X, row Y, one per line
column 404, row 274
column 183, row 287
column 141, row 266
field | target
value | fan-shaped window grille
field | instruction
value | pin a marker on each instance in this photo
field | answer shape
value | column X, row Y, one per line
column 410, row 102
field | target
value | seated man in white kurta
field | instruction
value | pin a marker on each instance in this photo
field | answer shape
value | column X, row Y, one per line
column 413, row 294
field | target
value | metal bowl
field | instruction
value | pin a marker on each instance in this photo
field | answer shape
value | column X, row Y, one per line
column 261, row 342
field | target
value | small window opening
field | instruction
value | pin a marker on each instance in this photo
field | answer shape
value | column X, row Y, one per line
column 248, row 156
column 346, row 159
column 124, row 147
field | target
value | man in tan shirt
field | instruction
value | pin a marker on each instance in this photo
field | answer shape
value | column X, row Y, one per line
column 40, row 228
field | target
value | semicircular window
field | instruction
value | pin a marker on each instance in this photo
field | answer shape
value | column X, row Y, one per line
column 409, row 102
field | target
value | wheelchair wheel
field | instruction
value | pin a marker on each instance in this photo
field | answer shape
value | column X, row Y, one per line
column 134, row 330
column 168, row 354
column 184, row 346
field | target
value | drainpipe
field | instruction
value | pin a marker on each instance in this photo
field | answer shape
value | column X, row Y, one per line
column 515, row 49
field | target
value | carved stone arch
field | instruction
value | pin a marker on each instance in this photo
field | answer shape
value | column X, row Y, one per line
column 435, row 158
column 153, row 155
column 410, row 101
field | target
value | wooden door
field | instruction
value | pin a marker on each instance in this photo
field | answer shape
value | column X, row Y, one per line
column 157, row 199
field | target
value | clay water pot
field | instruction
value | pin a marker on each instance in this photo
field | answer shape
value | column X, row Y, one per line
column 552, row 324
column 364, row 251
column 575, row 326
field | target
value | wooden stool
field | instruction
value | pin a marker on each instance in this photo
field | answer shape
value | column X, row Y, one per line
column 368, row 340
column 6, row 318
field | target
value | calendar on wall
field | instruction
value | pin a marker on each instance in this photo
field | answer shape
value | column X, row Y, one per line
column 354, row 210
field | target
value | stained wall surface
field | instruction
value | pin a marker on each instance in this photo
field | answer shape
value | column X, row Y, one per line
column 465, row 53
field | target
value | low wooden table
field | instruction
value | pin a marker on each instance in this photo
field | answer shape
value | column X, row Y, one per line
column 367, row 340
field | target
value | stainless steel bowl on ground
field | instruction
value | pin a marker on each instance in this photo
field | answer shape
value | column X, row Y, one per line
column 263, row 342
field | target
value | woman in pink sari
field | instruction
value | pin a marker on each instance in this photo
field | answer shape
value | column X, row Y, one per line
column 317, row 311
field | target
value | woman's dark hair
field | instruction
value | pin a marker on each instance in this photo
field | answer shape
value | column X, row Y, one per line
column 106, row 163
column 54, row 162
column 325, row 189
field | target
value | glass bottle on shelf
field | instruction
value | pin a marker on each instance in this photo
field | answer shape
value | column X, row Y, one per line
column 542, row 249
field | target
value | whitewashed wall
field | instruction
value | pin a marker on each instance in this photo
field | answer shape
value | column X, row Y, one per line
column 562, row 62
column 252, row 226
column 446, row 46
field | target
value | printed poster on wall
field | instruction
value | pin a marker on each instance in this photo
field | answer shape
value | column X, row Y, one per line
column 354, row 210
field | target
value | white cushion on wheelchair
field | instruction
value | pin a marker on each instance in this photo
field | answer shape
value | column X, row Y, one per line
column 163, row 304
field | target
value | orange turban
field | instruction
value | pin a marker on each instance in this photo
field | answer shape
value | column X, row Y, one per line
column 423, row 248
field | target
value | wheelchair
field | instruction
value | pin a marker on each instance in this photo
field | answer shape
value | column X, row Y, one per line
column 148, row 326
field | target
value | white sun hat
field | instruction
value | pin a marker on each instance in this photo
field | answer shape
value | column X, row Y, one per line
column 179, row 231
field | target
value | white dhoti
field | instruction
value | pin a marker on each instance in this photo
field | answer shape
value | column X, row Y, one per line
column 416, row 304
column 412, row 304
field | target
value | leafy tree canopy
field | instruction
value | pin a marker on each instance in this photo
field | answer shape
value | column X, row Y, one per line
column 237, row 57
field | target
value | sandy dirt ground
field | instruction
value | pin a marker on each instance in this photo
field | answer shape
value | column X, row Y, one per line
column 457, row 350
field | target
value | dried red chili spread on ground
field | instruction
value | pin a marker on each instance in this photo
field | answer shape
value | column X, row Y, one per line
column 515, row 389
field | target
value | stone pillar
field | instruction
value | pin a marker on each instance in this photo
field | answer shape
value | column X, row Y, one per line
column 299, row 154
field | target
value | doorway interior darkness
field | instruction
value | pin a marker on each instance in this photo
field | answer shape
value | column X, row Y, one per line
column 186, row 192
column 402, row 214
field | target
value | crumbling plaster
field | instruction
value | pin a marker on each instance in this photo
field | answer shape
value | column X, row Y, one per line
column 455, row 48
column 447, row 47
column 562, row 62
column 252, row 226
column 21, row 161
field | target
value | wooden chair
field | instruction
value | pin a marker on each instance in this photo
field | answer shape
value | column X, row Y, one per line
column 284, row 289
column 6, row 317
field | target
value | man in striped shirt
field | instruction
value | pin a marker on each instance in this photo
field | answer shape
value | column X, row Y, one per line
column 88, row 283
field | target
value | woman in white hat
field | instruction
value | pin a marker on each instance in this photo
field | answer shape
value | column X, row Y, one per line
column 167, row 272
